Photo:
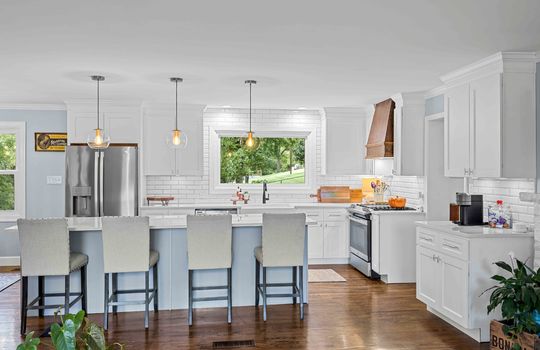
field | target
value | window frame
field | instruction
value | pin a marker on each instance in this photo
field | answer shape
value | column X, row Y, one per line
column 216, row 187
column 19, row 129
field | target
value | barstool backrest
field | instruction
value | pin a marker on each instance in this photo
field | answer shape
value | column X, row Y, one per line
column 209, row 239
column 126, row 244
column 44, row 245
column 283, row 239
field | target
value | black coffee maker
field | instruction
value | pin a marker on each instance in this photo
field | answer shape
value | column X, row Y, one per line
column 471, row 209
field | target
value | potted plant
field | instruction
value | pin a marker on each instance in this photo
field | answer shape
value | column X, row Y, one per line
column 73, row 333
column 519, row 299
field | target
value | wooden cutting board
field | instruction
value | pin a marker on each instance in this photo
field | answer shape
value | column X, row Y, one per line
column 335, row 194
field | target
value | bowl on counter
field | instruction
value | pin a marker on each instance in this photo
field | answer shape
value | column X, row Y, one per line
column 397, row 202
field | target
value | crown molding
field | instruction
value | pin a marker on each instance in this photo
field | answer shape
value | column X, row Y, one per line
column 34, row 106
column 409, row 98
column 439, row 90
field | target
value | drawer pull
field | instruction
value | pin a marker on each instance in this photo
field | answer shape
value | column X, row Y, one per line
column 338, row 215
column 427, row 239
column 451, row 246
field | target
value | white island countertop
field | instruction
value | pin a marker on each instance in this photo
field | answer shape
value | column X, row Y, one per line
column 471, row 231
column 164, row 222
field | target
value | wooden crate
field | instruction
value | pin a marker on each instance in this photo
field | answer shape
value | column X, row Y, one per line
column 499, row 341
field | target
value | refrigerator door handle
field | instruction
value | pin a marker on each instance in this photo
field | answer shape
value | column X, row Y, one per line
column 101, row 209
column 96, row 183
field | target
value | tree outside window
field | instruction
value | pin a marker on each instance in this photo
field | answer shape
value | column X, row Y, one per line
column 8, row 162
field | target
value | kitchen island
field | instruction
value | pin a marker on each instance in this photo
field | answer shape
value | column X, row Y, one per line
column 168, row 236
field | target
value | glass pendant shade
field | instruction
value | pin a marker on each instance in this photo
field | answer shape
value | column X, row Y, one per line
column 251, row 142
column 98, row 139
column 177, row 139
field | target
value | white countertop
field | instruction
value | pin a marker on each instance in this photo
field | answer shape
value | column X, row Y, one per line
column 250, row 205
column 470, row 231
column 397, row 212
column 164, row 222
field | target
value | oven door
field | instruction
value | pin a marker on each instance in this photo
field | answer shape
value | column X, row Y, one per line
column 360, row 237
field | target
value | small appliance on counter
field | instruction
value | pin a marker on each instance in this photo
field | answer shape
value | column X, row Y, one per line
column 468, row 209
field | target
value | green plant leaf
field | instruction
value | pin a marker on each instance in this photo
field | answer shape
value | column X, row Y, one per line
column 504, row 266
column 63, row 337
column 30, row 343
column 95, row 337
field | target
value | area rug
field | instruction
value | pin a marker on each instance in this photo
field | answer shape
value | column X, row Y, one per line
column 325, row 275
column 8, row 278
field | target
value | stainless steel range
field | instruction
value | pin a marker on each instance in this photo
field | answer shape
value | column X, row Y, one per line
column 360, row 235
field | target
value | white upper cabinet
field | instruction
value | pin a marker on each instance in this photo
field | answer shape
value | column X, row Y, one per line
column 158, row 123
column 409, row 134
column 121, row 120
column 344, row 136
column 490, row 119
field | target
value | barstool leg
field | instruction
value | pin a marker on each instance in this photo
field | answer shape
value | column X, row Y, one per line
column 106, row 303
column 66, row 297
column 155, row 285
column 264, row 293
column 83, row 288
column 114, row 277
column 301, row 290
column 41, row 292
column 257, row 281
column 190, row 297
column 229, row 295
column 294, row 284
column 146, row 297
column 24, row 303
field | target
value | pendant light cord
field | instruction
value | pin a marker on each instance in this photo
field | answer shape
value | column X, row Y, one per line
column 176, row 123
column 98, row 103
column 250, row 107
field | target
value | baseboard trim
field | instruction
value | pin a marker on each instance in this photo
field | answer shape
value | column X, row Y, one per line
column 10, row 261
column 475, row 333
column 331, row 261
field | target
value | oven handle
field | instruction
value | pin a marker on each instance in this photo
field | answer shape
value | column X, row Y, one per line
column 358, row 220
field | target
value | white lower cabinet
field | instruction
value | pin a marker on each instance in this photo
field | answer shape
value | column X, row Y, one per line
column 336, row 243
column 453, row 271
column 316, row 241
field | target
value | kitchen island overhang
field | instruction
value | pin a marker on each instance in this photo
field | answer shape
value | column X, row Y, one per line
column 168, row 236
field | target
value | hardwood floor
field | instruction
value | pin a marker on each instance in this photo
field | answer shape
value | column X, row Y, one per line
column 357, row 314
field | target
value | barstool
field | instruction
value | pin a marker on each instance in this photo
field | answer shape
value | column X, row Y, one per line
column 283, row 241
column 126, row 248
column 209, row 241
column 44, row 245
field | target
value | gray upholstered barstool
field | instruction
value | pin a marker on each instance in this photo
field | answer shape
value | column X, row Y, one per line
column 209, row 248
column 45, row 251
column 283, row 241
column 126, row 248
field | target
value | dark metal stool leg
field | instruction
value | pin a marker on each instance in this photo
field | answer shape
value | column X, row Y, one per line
column 301, row 290
column 294, row 284
column 264, row 293
column 66, row 297
column 106, row 304
column 41, row 292
column 257, row 281
column 146, row 297
column 229, row 295
column 114, row 277
column 83, row 289
column 190, row 297
column 24, row 303
column 155, row 286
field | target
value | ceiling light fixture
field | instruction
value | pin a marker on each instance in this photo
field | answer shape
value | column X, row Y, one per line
column 98, row 139
column 251, row 142
column 177, row 139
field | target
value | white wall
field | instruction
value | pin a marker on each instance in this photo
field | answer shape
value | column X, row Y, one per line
column 189, row 189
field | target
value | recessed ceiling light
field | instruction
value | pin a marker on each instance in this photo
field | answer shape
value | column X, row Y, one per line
column 301, row 107
column 226, row 106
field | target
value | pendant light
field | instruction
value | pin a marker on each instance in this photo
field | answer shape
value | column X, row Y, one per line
column 177, row 139
column 98, row 139
column 250, row 142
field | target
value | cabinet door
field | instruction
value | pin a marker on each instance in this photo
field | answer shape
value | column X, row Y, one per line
column 189, row 161
column 375, row 245
column 159, row 159
column 428, row 274
column 456, row 126
column 336, row 240
column 485, row 126
column 316, row 241
column 345, row 146
column 454, row 289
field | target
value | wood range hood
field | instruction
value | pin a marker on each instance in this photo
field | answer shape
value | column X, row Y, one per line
column 381, row 135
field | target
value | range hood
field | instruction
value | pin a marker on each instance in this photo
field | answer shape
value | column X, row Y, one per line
column 381, row 135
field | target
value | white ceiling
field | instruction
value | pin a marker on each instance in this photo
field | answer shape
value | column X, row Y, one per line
column 304, row 53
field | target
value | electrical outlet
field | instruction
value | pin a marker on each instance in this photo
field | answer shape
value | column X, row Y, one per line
column 54, row 180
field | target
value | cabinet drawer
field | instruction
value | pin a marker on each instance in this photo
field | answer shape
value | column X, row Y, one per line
column 153, row 211
column 313, row 214
column 334, row 215
column 425, row 238
column 454, row 246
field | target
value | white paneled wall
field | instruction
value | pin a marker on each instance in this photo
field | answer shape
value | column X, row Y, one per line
column 508, row 191
column 189, row 189
column 410, row 187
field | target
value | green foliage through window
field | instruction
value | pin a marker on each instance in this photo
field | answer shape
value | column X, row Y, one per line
column 7, row 152
column 8, row 163
column 278, row 160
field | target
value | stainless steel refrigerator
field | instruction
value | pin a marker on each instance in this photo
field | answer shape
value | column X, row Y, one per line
column 101, row 183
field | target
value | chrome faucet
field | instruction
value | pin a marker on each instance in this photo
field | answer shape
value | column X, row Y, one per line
column 265, row 195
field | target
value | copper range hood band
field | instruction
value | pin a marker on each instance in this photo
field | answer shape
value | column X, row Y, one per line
column 381, row 135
